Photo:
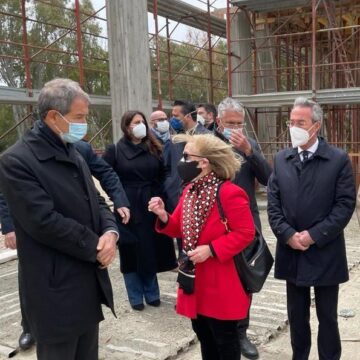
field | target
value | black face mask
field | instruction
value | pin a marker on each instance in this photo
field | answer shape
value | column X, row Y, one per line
column 188, row 170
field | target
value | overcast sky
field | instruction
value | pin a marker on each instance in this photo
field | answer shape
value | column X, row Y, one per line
column 181, row 30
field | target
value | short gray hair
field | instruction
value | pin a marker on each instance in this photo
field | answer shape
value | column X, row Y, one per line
column 317, row 113
column 230, row 104
column 58, row 94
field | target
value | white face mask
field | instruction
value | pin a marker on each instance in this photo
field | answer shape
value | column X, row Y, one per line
column 299, row 136
column 200, row 119
column 139, row 131
column 162, row 126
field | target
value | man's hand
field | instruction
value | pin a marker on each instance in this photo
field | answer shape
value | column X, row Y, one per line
column 306, row 239
column 239, row 141
column 106, row 249
column 10, row 240
column 295, row 242
column 124, row 213
column 200, row 254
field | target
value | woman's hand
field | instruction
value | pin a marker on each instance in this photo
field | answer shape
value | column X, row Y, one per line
column 200, row 254
column 157, row 206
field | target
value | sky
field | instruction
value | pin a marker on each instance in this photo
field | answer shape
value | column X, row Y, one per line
column 181, row 30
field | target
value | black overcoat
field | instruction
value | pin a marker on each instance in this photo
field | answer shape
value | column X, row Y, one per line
column 318, row 196
column 141, row 173
column 253, row 168
column 58, row 217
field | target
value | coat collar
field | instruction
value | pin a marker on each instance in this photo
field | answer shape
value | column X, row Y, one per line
column 321, row 152
column 131, row 150
column 46, row 145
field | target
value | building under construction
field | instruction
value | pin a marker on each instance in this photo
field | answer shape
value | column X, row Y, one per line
column 274, row 52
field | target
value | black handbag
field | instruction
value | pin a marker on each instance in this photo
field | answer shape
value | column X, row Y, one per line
column 186, row 273
column 252, row 267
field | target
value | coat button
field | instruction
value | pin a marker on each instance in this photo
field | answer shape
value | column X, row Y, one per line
column 81, row 243
column 75, row 175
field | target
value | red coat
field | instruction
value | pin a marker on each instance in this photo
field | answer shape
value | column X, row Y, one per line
column 218, row 292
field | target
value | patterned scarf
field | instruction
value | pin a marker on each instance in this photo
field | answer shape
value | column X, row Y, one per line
column 163, row 137
column 197, row 205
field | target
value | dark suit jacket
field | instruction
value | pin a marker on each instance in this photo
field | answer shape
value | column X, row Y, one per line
column 102, row 171
column 318, row 196
column 58, row 216
column 5, row 217
column 254, row 167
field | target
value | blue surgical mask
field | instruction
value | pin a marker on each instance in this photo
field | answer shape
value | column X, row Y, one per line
column 227, row 133
column 76, row 132
column 176, row 124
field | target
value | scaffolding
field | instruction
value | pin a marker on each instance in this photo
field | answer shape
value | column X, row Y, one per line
column 299, row 48
column 162, row 45
column 291, row 48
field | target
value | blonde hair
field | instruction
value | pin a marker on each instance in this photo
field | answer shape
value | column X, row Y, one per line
column 222, row 158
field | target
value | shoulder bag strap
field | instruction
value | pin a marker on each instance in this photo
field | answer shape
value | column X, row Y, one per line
column 221, row 209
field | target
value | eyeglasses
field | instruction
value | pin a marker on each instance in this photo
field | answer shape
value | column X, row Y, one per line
column 160, row 119
column 233, row 125
column 300, row 123
column 186, row 156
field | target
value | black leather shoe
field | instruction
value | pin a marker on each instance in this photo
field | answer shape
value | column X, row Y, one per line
column 138, row 307
column 248, row 349
column 155, row 303
column 26, row 341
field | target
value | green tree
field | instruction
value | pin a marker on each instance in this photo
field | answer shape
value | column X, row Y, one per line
column 59, row 59
column 190, row 68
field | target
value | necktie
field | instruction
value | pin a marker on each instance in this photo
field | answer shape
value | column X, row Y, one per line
column 305, row 155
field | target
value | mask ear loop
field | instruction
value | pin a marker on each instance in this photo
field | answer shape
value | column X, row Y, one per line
column 56, row 127
column 311, row 136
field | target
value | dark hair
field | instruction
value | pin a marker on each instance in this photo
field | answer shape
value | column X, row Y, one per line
column 154, row 146
column 209, row 108
column 187, row 107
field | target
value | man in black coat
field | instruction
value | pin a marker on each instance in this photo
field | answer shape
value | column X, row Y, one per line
column 311, row 198
column 231, row 129
column 108, row 179
column 111, row 184
column 66, row 235
column 209, row 113
column 185, row 112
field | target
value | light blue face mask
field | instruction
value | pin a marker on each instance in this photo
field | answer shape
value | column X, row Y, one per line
column 227, row 133
column 77, row 131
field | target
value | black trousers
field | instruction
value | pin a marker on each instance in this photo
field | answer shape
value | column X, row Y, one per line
column 219, row 339
column 85, row 346
column 243, row 324
column 326, row 302
column 24, row 320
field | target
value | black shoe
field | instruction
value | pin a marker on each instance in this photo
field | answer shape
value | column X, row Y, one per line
column 26, row 341
column 155, row 303
column 248, row 349
column 138, row 307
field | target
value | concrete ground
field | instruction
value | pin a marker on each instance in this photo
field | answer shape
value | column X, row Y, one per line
column 279, row 348
column 158, row 333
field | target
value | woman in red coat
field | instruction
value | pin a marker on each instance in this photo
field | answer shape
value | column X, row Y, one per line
column 210, row 292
